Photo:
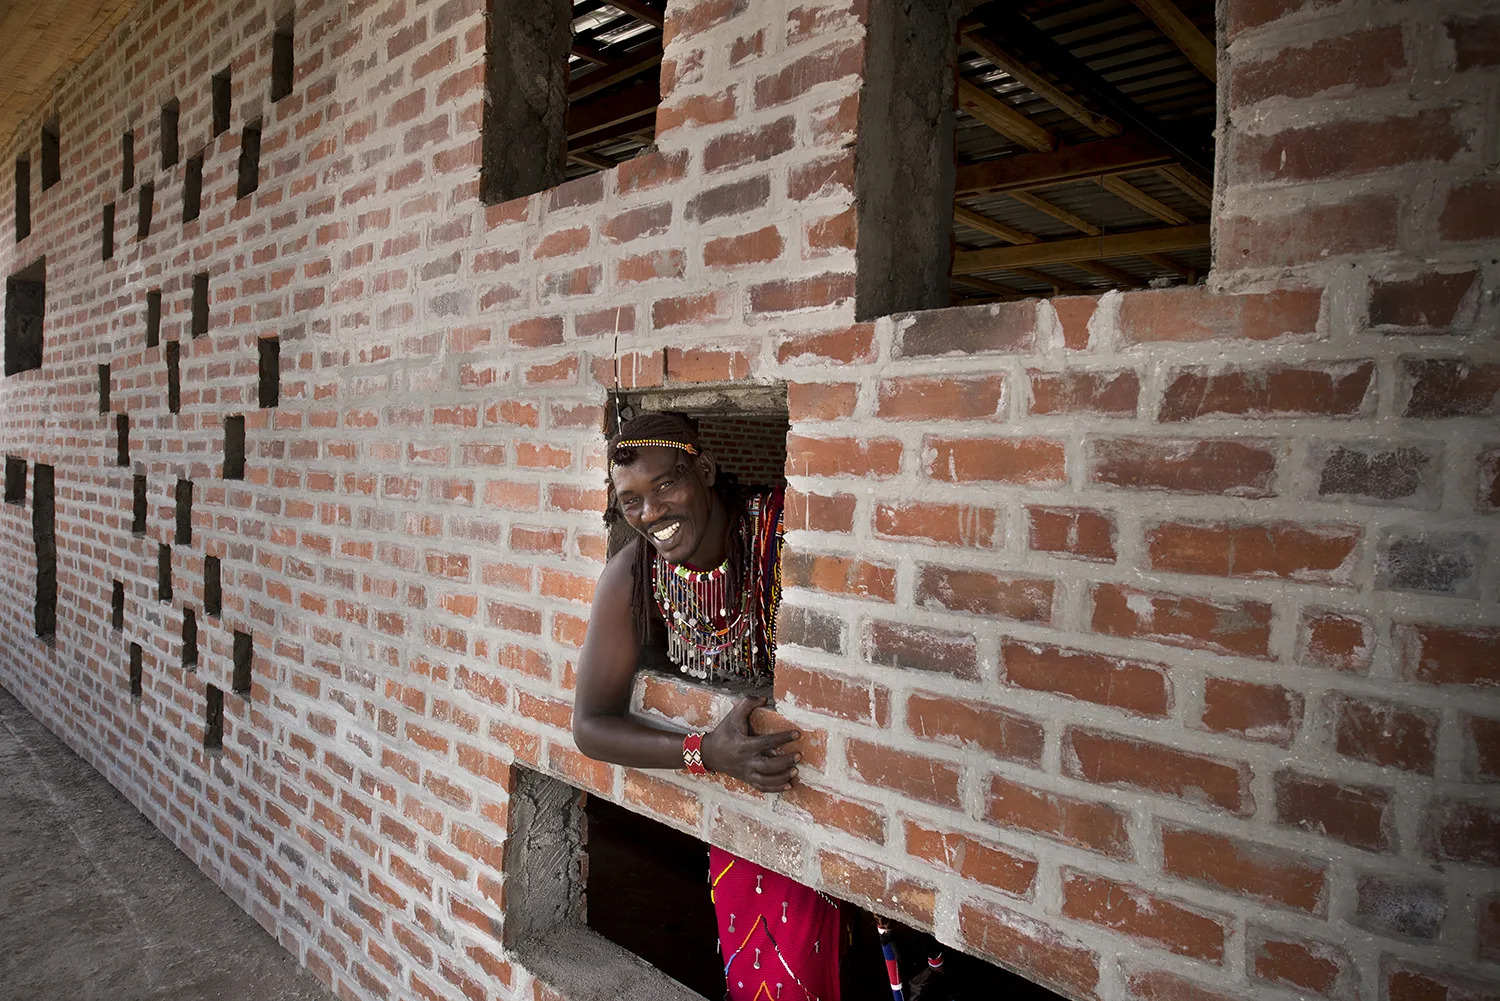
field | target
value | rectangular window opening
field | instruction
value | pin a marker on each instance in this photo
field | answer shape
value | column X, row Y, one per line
column 104, row 389
column 249, row 165
column 23, row 198
column 221, row 101
column 189, row 640
column 184, row 498
column 122, row 439
column 213, row 719
column 244, row 655
column 234, row 448
column 44, row 535
column 144, row 206
column 169, row 146
column 192, row 189
column 163, row 572
column 127, row 161
column 107, row 232
column 138, row 505
column 51, row 153
column 15, row 480
column 117, row 605
column 153, row 317
column 270, row 371
column 25, row 306
column 213, row 595
column 283, row 67
column 200, row 304
column 135, row 671
column 174, row 377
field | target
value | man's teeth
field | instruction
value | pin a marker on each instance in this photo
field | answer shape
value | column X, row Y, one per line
column 663, row 534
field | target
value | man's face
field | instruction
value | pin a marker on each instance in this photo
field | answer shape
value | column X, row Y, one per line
column 665, row 496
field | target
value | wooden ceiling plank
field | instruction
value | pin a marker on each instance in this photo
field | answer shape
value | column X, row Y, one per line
column 591, row 160
column 1004, row 119
column 980, row 41
column 640, row 9
column 1184, row 34
column 1127, row 192
column 1108, row 273
column 1070, row 163
column 1085, row 248
column 1055, row 211
column 1189, row 184
column 629, row 65
column 1060, row 284
column 587, row 117
column 984, row 224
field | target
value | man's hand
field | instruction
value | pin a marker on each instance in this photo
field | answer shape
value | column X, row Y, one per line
column 734, row 749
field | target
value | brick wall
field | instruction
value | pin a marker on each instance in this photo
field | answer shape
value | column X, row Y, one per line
column 1146, row 644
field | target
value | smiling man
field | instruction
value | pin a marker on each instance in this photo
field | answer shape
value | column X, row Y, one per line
column 701, row 576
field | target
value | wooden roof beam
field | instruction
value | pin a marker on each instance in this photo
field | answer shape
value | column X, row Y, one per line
column 1086, row 248
column 1055, row 211
column 1189, row 184
column 1184, row 34
column 985, row 285
column 593, row 116
column 1108, row 273
column 640, row 9
column 985, row 224
column 1060, row 284
column 629, row 65
column 992, row 49
column 1004, row 119
column 1070, row 163
column 1168, row 264
column 1127, row 192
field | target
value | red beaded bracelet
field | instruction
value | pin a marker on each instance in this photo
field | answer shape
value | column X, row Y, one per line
column 692, row 753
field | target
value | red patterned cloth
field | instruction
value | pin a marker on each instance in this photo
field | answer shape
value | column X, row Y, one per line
column 780, row 940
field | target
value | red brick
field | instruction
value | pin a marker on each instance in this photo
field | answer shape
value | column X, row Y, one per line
column 921, row 648
column 944, row 524
column 1240, row 468
column 688, row 309
column 1033, row 461
column 1257, row 712
column 1073, row 315
column 978, row 592
column 765, row 244
column 751, row 145
column 1406, row 908
column 1361, row 59
column 831, row 810
column 1135, row 686
column 790, row 295
column 1158, row 985
column 1349, row 148
column 830, row 176
column 1108, row 759
column 1008, row 327
column 1302, row 964
column 1356, row 814
column 821, row 401
column 831, row 234
column 971, row 859
column 966, row 723
column 1108, row 394
column 878, row 885
column 1435, row 301
column 735, row 198
column 1197, row 314
column 1489, row 928
column 849, row 346
column 840, row 575
column 683, row 21
column 1482, row 747
column 1323, row 554
column 650, row 266
column 1489, row 481
column 1460, row 831
column 1031, row 948
column 1314, row 234
column 1341, row 390
column 818, row 512
column 650, row 170
column 902, row 772
column 1077, row 532
column 1450, row 655
column 543, row 331
column 1409, row 983
column 1471, row 212
column 1095, row 827
column 562, row 242
column 687, row 366
column 869, row 457
column 696, row 109
column 1237, row 628
column 1451, row 387
column 832, row 695
column 1142, row 915
column 834, row 62
column 1335, row 640
column 934, row 398
column 1384, row 733
column 1244, row 868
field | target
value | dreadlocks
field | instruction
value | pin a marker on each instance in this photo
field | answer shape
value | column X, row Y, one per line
column 683, row 429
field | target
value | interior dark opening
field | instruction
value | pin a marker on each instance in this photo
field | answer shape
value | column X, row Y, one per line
column 184, row 535
column 213, row 596
column 174, row 377
column 169, row 145
column 192, row 189
column 200, row 304
column 15, row 480
column 117, row 605
column 138, row 505
column 244, row 654
column 221, row 99
column 189, row 640
column 153, row 318
column 249, row 164
column 25, row 305
column 163, row 572
column 23, row 198
column 135, row 670
column 122, row 439
column 127, row 161
column 282, row 64
column 234, row 448
column 104, row 389
column 144, row 207
column 107, row 232
column 44, row 535
column 270, row 371
column 213, row 720
column 51, row 153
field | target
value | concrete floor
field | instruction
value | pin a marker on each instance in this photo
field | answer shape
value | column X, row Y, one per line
column 96, row 904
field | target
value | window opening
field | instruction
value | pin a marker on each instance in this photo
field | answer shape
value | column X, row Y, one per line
column 174, row 377
column 614, row 83
column 145, row 204
column 1084, row 148
column 127, row 161
column 192, row 189
column 44, row 535
column 282, row 64
column 107, row 232
column 135, row 670
column 15, row 480
column 153, row 318
column 189, row 640
column 213, row 596
column 122, row 439
column 244, row 654
column 200, row 304
column 138, row 505
column 234, row 448
column 51, row 153
column 169, row 145
column 23, row 198
column 25, row 304
column 104, row 389
column 117, row 605
column 270, row 371
column 163, row 572
column 221, row 101
column 249, row 165
column 213, row 721
column 184, row 498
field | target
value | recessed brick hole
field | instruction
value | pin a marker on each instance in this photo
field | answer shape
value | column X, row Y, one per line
column 270, row 371
column 282, row 63
column 200, row 304
column 244, row 655
column 51, row 153
column 213, row 595
column 138, row 505
column 163, row 572
column 189, row 639
column 221, row 99
column 249, row 173
column 15, row 480
column 234, row 448
column 192, row 188
column 143, row 210
column 169, row 147
column 104, row 389
column 44, row 534
column 184, row 535
column 213, row 719
column 117, row 605
column 135, row 670
column 153, row 318
column 25, row 305
column 107, row 232
column 23, row 198
column 174, row 377
column 127, row 161
column 122, row 439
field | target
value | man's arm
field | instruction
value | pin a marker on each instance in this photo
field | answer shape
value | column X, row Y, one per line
column 603, row 728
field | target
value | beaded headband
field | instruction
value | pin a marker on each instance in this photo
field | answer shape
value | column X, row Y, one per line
column 657, row 443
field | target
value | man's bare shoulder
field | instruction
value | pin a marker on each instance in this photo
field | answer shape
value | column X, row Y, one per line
column 615, row 582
